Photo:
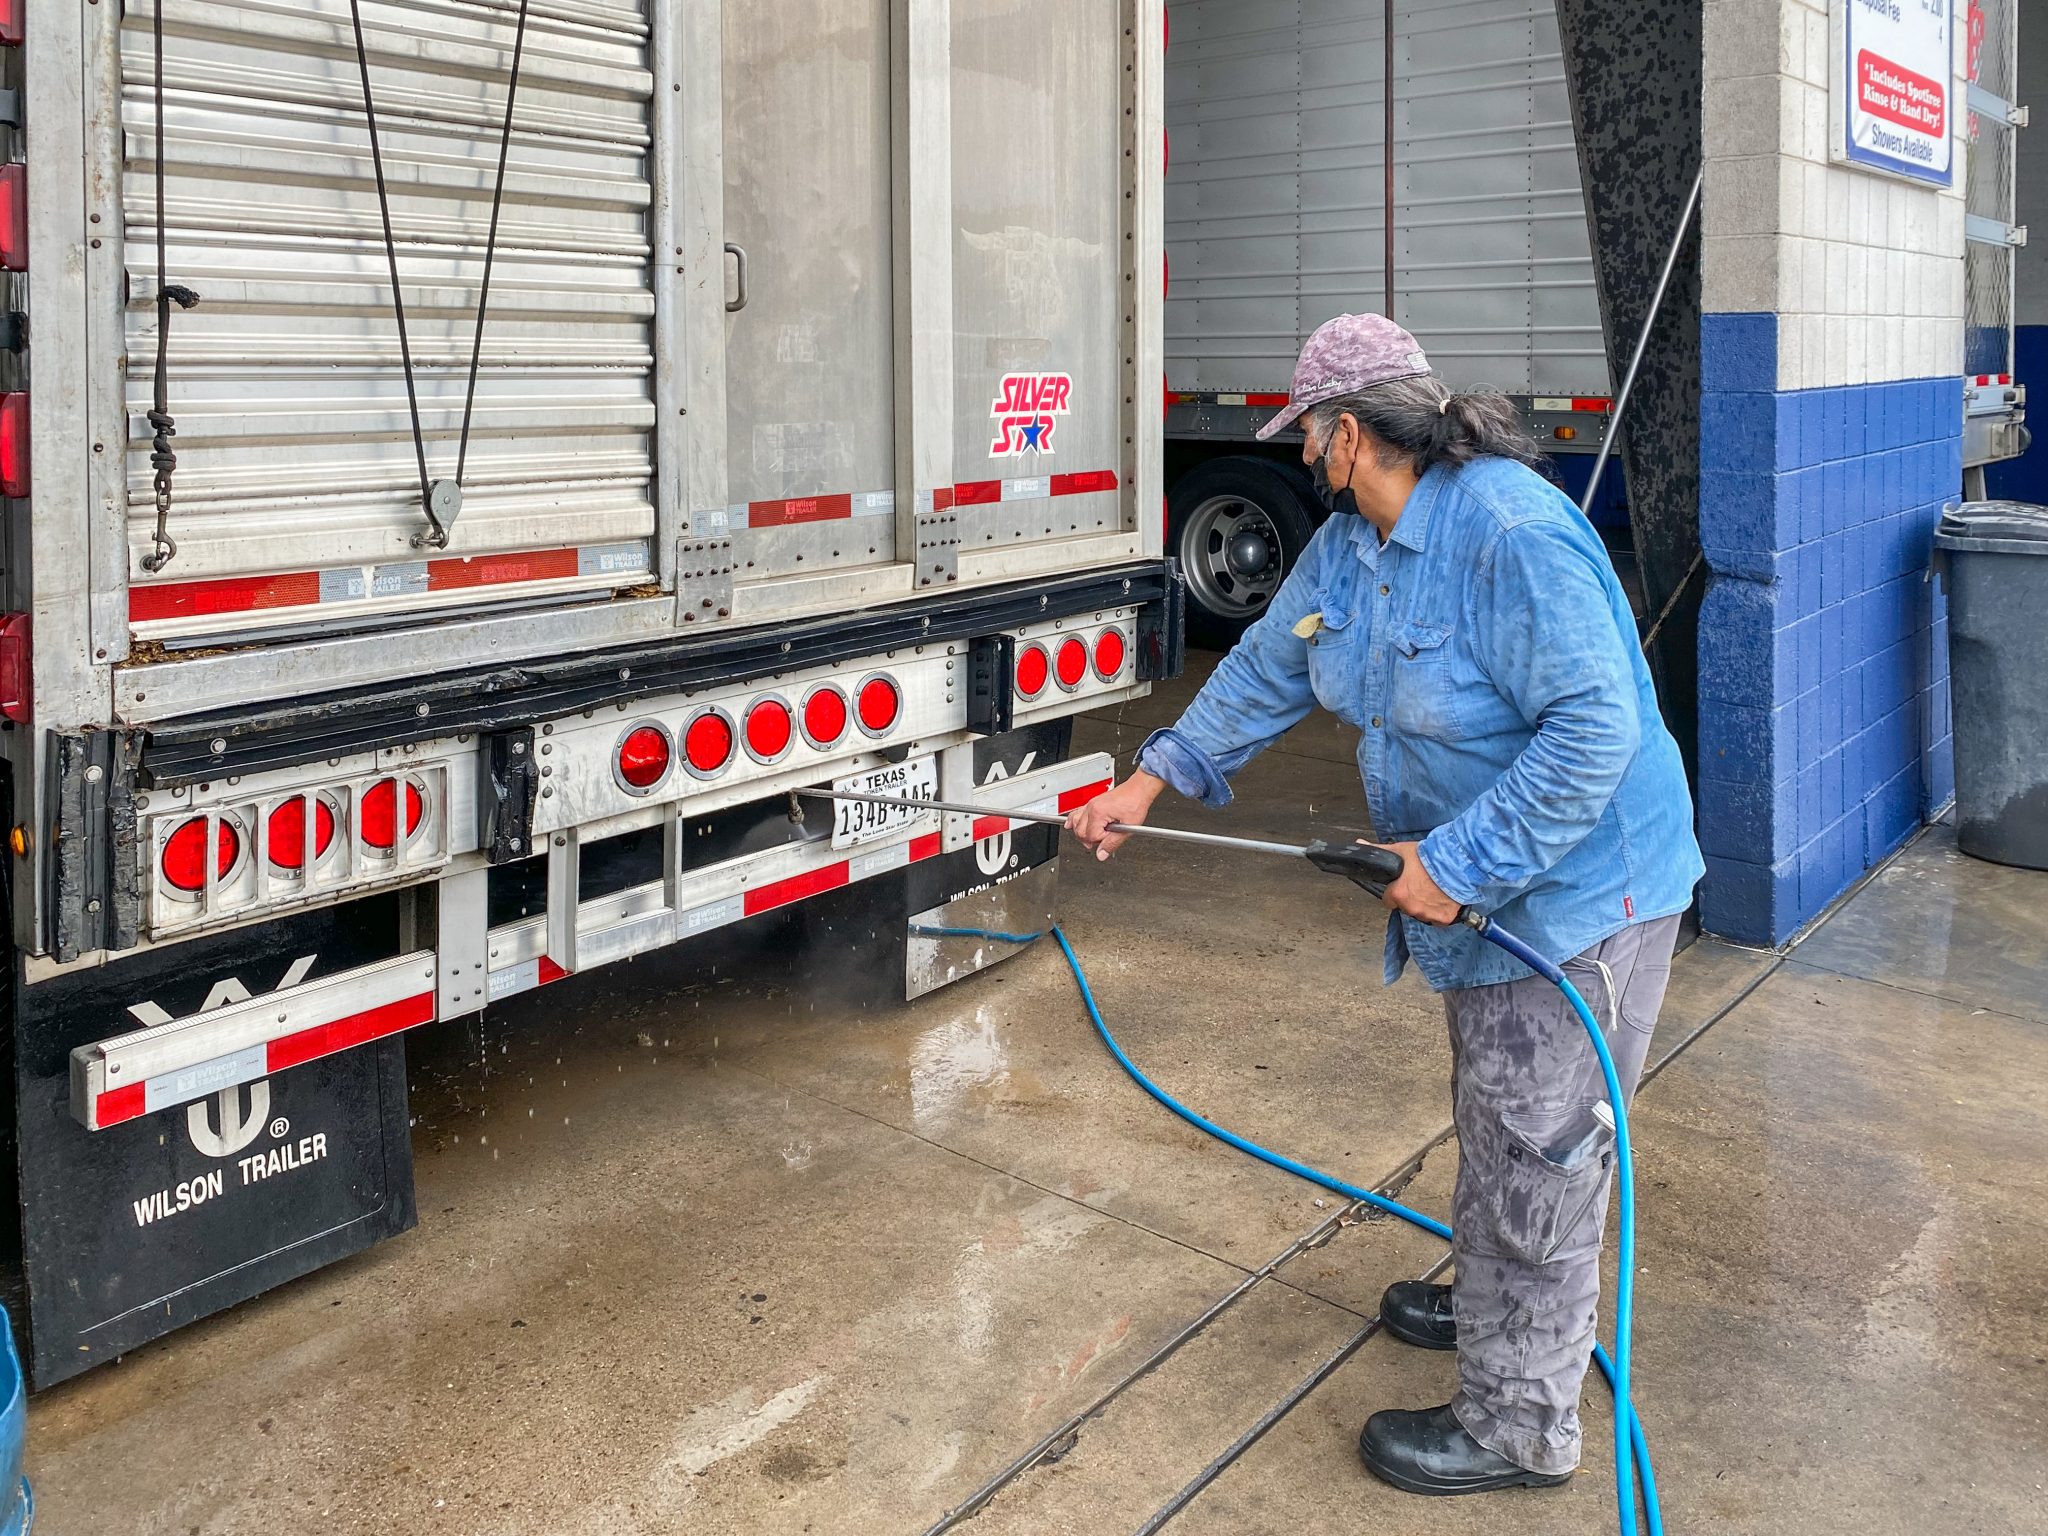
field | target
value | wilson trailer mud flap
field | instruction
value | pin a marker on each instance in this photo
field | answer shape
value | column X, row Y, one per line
column 285, row 1148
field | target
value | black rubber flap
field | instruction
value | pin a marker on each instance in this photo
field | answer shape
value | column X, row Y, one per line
column 2010, row 527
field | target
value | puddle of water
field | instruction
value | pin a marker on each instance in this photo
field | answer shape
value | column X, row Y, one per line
column 952, row 1063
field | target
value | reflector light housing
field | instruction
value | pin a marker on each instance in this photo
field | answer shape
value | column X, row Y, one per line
column 14, row 216
column 826, row 717
column 10, row 21
column 880, row 705
column 17, row 677
column 184, row 861
column 708, row 744
column 286, row 833
column 1110, row 654
column 14, row 445
column 379, row 814
column 770, row 730
column 1071, row 666
column 643, row 760
column 1034, row 671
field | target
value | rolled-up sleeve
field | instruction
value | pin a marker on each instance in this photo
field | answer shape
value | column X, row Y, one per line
column 1546, row 632
column 1257, row 693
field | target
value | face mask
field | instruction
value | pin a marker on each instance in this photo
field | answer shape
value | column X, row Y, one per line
column 1334, row 501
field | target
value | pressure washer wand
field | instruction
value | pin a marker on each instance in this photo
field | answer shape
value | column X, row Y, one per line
column 1372, row 869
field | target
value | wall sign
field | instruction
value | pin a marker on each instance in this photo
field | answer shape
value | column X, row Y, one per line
column 1895, row 87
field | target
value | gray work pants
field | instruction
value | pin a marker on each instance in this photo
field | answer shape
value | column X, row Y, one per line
column 1534, row 1169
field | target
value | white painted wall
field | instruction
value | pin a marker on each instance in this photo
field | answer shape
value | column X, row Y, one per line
column 1864, row 271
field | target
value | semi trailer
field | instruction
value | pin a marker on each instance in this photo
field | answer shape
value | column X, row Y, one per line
column 1302, row 187
column 467, row 464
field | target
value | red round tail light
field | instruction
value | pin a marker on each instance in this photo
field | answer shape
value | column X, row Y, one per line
column 881, row 704
column 644, row 758
column 825, row 716
column 770, row 728
column 1110, row 652
column 287, row 833
column 1072, row 664
column 185, row 853
column 1034, row 671
column 379, row 815
column 707, row 744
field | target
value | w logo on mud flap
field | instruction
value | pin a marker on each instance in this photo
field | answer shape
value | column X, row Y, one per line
column 236, row 1126
column 237, row 1129
column 992, row 854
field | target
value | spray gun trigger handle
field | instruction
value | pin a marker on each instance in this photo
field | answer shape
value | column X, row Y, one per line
column 1371, row 869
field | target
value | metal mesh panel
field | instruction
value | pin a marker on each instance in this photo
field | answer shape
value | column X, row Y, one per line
column 1989, row 193
column 1987, row 323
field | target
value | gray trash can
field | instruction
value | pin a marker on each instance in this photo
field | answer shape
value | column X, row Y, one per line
column 1995, row 554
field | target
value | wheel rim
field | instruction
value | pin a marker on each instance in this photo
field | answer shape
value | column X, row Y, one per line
column 1221, row 546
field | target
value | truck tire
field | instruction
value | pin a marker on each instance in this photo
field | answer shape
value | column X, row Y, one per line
column 1238, row 526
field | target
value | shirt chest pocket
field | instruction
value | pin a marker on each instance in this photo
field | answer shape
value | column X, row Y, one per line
column 1333, row 661
column 1422, row 692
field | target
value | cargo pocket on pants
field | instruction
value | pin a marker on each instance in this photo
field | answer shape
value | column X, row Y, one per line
column 1554, row 1165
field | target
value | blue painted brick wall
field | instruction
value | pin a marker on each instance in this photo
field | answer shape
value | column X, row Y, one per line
column 1824, row 721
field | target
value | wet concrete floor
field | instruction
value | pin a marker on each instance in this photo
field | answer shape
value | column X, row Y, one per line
column 708, row 1244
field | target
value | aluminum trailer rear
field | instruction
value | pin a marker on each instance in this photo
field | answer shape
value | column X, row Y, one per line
column 773, row 403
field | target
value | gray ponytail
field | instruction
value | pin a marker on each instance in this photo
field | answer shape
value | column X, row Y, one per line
column 1422, row 421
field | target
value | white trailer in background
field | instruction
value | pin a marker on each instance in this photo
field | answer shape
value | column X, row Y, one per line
column 761, row 394
column 1286, row 159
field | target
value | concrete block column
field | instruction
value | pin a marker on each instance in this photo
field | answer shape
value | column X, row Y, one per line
column 1831, row 438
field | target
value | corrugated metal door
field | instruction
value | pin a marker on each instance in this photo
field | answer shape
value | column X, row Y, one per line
column 1277, row 200
column 297, row 495
column 1493, row 257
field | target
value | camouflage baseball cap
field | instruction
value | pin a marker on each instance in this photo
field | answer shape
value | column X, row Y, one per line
column 1350, row 353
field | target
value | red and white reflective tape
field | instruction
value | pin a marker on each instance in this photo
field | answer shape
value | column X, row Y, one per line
column 1594, row 405
column 988, row 493
column 626, row 564
column 178, row 1061
column 1062, row 804
column 1265, row 402
column 795, row 511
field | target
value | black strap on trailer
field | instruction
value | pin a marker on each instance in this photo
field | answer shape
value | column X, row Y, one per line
column 440, row 500
column 163, row 458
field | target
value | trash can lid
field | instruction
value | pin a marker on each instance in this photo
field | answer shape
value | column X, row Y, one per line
column 2006, row 527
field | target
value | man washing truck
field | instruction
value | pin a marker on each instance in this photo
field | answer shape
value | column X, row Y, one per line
column 1465, row 618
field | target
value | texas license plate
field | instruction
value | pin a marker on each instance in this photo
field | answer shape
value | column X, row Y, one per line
column 861, row 821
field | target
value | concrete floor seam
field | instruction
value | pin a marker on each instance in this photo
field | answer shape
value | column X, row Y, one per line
column 1810, row 968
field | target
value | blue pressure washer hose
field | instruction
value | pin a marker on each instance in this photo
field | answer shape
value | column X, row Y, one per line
column 1631, row 1447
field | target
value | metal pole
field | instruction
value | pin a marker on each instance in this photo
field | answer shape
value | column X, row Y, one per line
column 1635, row 364
column 1040, row 818
column 1387, row 91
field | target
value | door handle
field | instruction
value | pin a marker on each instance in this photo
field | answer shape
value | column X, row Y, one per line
column 738, row 301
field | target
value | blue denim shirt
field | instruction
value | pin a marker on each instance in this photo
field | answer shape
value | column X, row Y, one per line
column 1488, row 655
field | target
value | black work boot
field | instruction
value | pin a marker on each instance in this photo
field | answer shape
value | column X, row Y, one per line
column 1430, row 1452
column 1418, row 1313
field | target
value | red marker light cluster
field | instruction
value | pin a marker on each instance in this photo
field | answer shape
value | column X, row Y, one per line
column 184, row 861
column 770, row 729
column 286, row 833
column 708, row 744
column 1110, row 653
column 379, row 814
column 1071, row 664
column 826, row 717
column 881, row 705
column 644, row 758
column 1034, row 671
